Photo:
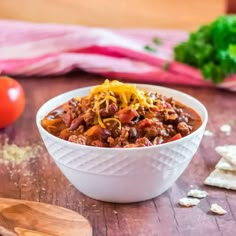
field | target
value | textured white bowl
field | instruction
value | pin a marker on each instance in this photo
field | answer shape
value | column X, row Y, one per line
column 123, row 174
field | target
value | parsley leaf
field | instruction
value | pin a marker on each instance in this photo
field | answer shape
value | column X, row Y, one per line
column 156, row 41
column 149, row 48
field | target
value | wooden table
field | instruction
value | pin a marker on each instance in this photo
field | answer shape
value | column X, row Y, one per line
column 40, row 180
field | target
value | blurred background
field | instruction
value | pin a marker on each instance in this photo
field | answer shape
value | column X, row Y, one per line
column 181, row 14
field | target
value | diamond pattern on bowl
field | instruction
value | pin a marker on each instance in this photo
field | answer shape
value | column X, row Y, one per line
column 121, row 162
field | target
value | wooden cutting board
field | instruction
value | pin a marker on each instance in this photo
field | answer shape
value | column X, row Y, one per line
column 26, row 218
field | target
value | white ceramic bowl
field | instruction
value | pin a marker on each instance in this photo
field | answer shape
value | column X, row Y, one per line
column 123, row 174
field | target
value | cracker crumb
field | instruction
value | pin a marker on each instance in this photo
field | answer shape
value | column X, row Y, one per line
column 188, row 202
column 197, row 193
column 226, row 129
column 217, row 209
column 208, row 133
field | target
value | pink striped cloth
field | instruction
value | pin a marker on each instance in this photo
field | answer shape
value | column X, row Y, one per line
column 48, row 49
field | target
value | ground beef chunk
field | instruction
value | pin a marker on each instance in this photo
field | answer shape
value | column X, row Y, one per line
column 183, row 128
column 89, row 116
column 170, row 130
column 98, row 143
column 122, row 140
column 74, row 108
column 152, row 131
column 143, row 142
column 81, row 139
column 111, row 142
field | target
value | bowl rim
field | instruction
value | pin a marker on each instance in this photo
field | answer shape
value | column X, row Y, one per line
column 120, row 149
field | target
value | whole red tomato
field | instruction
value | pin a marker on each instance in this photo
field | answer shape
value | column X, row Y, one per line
column 12, row 101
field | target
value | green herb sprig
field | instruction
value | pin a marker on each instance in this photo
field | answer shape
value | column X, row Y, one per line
column 152, row 47
column 212, row 49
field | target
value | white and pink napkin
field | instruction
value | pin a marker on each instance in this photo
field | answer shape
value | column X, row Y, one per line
column 30, row 49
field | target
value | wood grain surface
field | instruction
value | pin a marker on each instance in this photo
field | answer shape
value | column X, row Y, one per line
column 27, row 218
column 230, row 6
column 180, row 14
column 40, row 180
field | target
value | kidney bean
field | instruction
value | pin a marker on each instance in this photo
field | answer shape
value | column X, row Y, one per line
column 76, row 122
column 112, row 109
column 66, row 117
column 133, row 133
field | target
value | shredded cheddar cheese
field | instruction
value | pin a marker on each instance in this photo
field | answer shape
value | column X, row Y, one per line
column 128, row 95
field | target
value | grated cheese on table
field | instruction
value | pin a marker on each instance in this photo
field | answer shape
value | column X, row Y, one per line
column 14, row 154
column 208, row 133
